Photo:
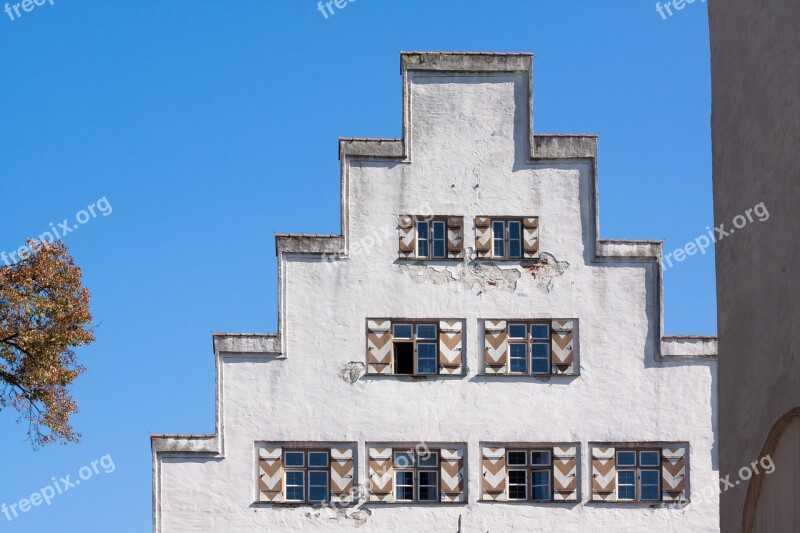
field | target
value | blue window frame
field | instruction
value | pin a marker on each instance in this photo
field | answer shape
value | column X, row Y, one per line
column 638, row 475
column 540, row 485
column 295, row 486
column 499, row 238
column 423, row 239
column 318, row 486
column 626, row 485
column 439, row 239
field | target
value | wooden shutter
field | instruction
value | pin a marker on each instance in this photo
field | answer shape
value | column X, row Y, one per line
column 495, row 346
column 604, row 474
column 493, row 484
column 270, row 474
column 381, row 475
column 565, row 470
column 407, row 237
column 450, row 346
column 562, row 344
column 673, row 473
column 379, row 346
column 455, row 237
column 342, row 470
column 483, row 236
column 451, row 477
column 530, row 237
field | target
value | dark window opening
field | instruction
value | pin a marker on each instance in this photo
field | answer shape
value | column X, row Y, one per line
column 403, row 357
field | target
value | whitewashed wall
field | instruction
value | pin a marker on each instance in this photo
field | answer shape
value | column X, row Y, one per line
column 468, row 153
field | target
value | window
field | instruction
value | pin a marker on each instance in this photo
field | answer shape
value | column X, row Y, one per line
column 638, row 475
column 534, row 465
column 432, row 239
column 529, row 348
column 416, row 476
column 507, row 239
column 416, row 349
column 307, row 476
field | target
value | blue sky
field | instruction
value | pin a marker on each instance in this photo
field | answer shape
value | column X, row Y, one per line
column 209, row 126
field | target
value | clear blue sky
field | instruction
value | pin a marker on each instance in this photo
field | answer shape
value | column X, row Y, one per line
column 209, row 126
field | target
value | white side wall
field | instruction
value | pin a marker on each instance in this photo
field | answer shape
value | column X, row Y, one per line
column 468, row 156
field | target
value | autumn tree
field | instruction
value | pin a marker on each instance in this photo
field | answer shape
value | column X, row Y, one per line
column 44, row 316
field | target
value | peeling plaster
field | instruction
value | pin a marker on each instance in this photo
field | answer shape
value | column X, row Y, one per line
column 489, row 276
column 352, row 371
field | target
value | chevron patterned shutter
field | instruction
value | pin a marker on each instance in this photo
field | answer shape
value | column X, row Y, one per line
column 483, row 236
column 379, row 347
column 452, row 475
column 450, row 346
column 270, row 475
column 342, row 475
column 563, row 346
column 407, row 237
column 455, row 237
column 530, row 236
column 381, row 475
column 493, row 484
column 565, row 470
column 495, row 347
column 604, row 474
column 673, row 473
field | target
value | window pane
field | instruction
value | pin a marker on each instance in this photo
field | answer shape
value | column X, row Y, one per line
column 517, row 331
column 402, row 331
column 649, row 459
column 516, row 458
column 422, row 239
column 498, row 232
column 439, row 241
column 317, row 459
column 438, row 229
column 404, row 486
column 626, row 458
column 514, row 240
column 404, row 460
column 540, row 358
column 540, row 485
column 626, row 493
column 294, row 459
column 518, row 359
column 650, row 484
column 626, row 484
column 428, row 486
column 426, row 331
column 428, row 459
column 295, row 486
column 317, row 486
column 540, row 331
column 540, row 458
column 517, row 485
column 426, row 358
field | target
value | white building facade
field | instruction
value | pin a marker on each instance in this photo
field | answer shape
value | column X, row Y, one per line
column 466, row 356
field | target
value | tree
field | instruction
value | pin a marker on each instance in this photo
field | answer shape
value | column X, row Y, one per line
column 44, row 315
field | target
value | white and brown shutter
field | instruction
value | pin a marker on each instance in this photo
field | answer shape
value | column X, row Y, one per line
column 483, row 237
column 407, row 237
column 381, row 475
column 562, row 345
column 495, row 354
column 451, row 476
column 493, row 484
column 342, row 475
column 565, row 470
column 673, row 473
column 604, row 474
column 451, row 337
column 379, row 346
column 530, row 237
column 270, row 475
column 455, row 237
